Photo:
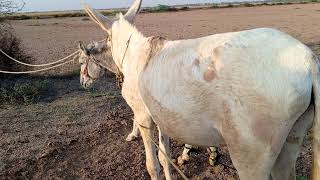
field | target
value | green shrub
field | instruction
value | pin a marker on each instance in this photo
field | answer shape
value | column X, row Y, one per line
column 214, row 6
column 302, row 178
column 12, row 92
column 163, row 8
column 230, row 5
column 248, row 4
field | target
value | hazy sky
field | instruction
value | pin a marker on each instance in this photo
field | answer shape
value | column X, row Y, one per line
column 53, row 5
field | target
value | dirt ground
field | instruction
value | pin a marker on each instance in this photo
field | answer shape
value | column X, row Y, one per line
column 76, row 134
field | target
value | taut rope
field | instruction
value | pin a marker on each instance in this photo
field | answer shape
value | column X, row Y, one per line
column 165, row 155
column 35, row 71
column 39, row 65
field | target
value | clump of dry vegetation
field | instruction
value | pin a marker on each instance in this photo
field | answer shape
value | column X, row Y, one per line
column 11, row 45
column 14, row 89
column 9, row 42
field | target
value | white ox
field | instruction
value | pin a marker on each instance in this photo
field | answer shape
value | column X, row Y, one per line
column 256, row 91
column 96, row 58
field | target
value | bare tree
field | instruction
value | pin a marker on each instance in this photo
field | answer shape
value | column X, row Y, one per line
column 10, row 6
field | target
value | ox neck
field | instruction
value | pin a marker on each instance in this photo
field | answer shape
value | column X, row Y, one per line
column 127, row 43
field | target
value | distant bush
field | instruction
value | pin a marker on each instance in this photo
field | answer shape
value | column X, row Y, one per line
column 184, row 8
column 230, row 5
column 248, row 4
column 85, row 19
column 215, row 6
column 163, row 8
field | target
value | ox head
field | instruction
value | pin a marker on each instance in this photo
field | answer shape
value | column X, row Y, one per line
column 94, row 59
column 117, row 32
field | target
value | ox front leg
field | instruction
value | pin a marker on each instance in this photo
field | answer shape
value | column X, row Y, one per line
column 152, row 163
column 164, row 144
column 135, row 132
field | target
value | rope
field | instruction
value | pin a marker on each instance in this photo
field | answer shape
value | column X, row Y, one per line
column 35, row 71
column 166, row 156
column 39, row 65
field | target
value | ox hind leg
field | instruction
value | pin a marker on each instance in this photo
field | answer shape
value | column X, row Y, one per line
column 252, row 154
column 284, row 168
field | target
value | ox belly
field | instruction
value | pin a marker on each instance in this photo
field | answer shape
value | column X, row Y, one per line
column 192, row 123
column 192, row 128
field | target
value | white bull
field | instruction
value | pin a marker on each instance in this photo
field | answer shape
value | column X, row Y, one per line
column 256, row 91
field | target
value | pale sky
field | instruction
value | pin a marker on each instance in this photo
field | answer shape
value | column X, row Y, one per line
column 54, row 5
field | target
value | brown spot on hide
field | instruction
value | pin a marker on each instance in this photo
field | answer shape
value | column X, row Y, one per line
column 196, row 62
column 262, row 129
column 209, row 75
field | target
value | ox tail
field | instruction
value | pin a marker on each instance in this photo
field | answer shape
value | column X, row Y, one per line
column 316, row 126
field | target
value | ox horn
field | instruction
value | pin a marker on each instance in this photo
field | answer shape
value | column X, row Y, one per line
column 104, row 22
column 133, row 11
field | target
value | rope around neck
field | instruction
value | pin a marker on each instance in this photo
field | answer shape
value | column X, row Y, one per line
column 125, row 52
column 35, row 71
column 39, row 65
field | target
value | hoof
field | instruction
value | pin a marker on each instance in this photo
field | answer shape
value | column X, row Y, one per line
column 212, row 155
column 131, row 137
column 182, row 160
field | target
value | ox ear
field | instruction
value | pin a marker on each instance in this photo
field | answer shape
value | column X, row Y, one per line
column 83, row 48
column 104, row 22
column 133, row 11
